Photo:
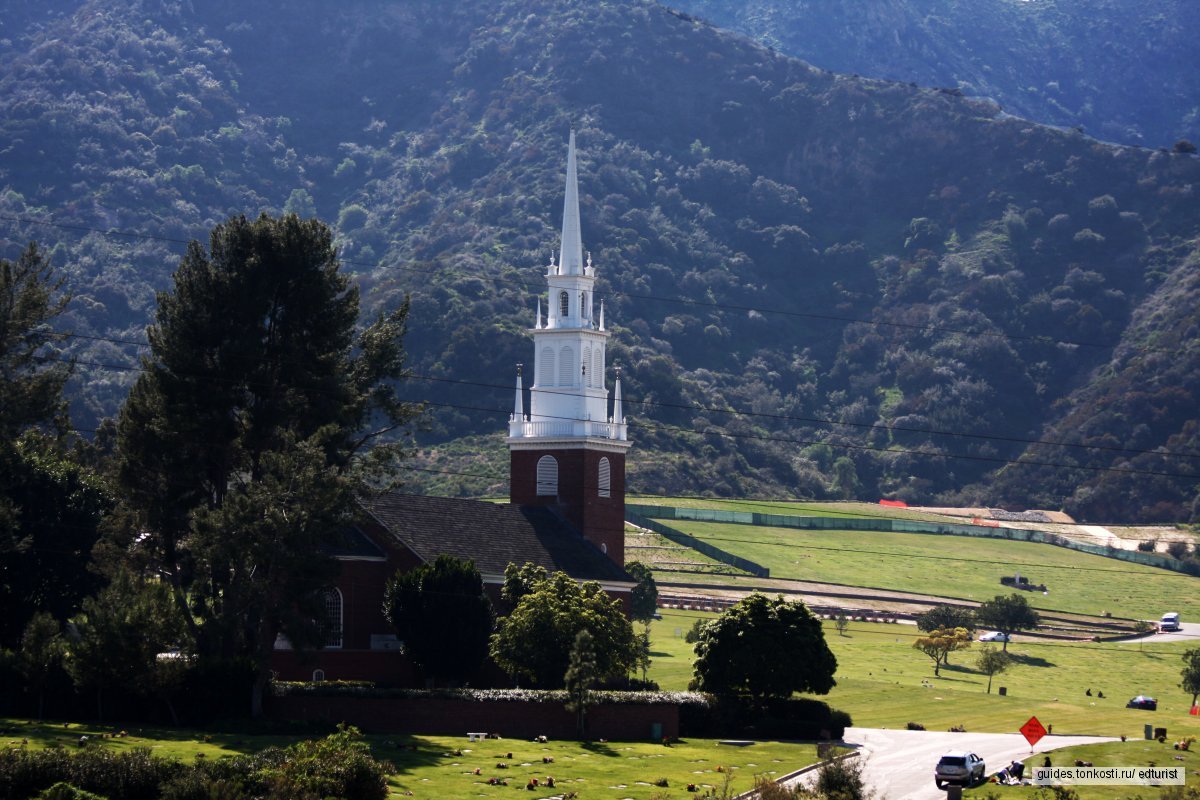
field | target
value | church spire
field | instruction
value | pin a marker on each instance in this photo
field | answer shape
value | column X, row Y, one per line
column 570, row 257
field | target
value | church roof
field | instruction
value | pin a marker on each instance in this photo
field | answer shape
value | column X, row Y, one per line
column 493, row 535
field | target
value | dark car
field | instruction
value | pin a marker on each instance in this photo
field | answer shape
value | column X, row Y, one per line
column 1143, row 702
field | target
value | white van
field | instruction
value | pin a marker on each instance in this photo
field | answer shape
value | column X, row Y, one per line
column 1169, row 622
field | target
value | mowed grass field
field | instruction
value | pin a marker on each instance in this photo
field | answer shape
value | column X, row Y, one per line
column 444, row 767
column 957, row 566
column 884, row 682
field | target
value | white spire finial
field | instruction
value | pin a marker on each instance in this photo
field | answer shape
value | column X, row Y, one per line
column 601, row 315
column 570, row 257
column 538, row 325
column 519, row 404
column 618, row 410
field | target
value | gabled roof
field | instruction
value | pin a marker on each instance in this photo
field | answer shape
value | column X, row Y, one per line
column 493, row 535
column 353, row 542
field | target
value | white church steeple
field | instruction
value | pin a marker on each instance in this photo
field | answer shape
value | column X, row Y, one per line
column 568, row 451
column 568, row 396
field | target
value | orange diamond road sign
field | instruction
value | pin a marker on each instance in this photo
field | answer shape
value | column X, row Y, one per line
column 1033, row 731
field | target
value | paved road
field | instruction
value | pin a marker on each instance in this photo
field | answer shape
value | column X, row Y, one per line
column 898, row 765
column 1189, row 632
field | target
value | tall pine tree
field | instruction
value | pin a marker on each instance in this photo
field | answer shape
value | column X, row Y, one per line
column 257, row 418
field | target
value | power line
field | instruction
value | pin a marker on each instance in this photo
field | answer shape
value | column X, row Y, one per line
column 750, row 436
column 766, row 415
column 661, row 299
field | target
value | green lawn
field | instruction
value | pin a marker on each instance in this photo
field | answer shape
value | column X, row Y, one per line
column 958, row 566
column 884, row 682
column 444, row 766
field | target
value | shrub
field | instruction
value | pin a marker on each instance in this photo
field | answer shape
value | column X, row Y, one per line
column 1148, row 545
column 915, row 726
column 842, row 779
column 1179, row 550
column 339, row 765
column 711, row 716
column 65, row 791
column 131, row 775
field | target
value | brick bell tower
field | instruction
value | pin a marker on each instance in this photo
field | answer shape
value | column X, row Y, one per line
column 567, row 451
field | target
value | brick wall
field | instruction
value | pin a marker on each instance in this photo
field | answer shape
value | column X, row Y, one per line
column 454, row 717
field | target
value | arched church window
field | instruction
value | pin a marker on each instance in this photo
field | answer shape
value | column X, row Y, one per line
column 586, row 370
column 597, row 369
column 333, row 617
column 564, row 304
column 566, row 367
column 583, row 305
column 605, row 478
column 545, row 375
column 547, row 476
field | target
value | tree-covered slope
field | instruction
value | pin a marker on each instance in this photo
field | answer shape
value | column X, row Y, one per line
column 818, row 284
column 1122, row 69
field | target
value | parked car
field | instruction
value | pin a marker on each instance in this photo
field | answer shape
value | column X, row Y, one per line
column 994, row 636
column 961, row 767
column 1143, row 702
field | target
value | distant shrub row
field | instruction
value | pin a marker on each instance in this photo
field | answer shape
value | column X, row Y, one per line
column 340, row 765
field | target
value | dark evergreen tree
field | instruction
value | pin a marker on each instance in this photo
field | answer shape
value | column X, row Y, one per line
column 581, row 678
column 442, row 614
column 32, row 369
column 245, row 438
column 644, row 598
column 50, row 509
column 765, row 649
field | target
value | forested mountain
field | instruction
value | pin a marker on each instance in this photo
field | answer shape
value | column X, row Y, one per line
column 1120, row 69
column 819, row 284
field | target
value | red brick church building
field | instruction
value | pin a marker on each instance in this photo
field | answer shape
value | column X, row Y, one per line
column 566, row 509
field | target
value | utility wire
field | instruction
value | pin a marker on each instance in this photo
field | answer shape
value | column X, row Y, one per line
column 659, row 298
column 756, row 437
column 753, row 414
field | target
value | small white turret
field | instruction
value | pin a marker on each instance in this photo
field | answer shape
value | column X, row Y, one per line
column 519, row 403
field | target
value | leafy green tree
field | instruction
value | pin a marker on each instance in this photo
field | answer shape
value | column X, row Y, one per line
column 520, row 581
column 992, row 662
column 940, row 643
column 56, row 513
column 764, row 648
column 845, row 478
column 535, row 640
column 1007, row 614
column 442, row 614
column 644, row 598
column 245, row 439
column 946, row 616
column 693, row 633
column 121, row 633
column 1191, row 673
column 40, row 654
column 581, row 678
column 841, row 623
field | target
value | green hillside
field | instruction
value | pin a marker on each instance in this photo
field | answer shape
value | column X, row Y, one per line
column 819, row 285
column 1052, row 61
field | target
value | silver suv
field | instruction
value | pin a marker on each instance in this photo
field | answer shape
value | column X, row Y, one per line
column 961, row 767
